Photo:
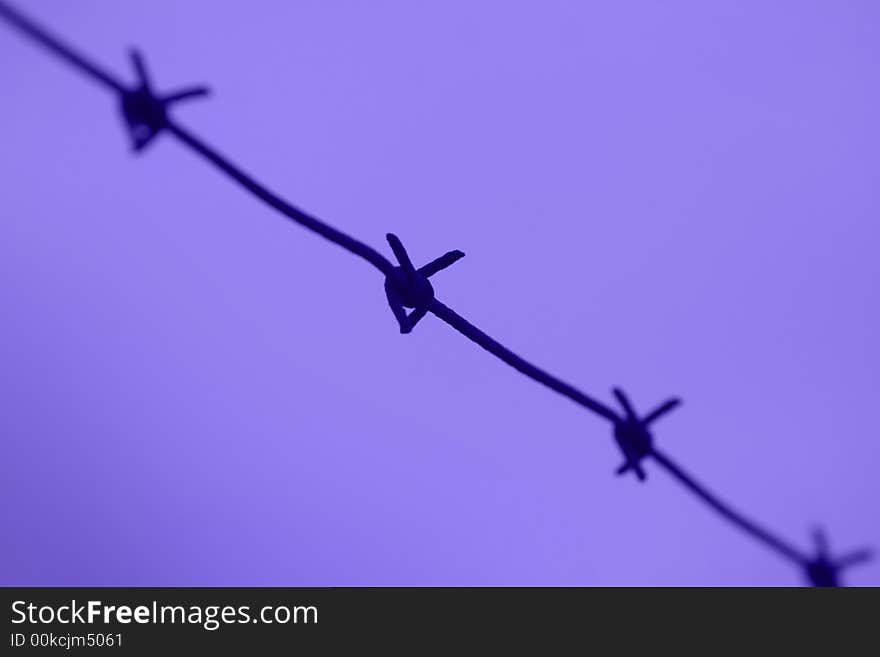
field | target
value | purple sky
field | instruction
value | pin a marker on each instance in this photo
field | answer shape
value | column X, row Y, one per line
column 196, row 392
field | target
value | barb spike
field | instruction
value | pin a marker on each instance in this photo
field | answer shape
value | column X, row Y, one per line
column 408, row 287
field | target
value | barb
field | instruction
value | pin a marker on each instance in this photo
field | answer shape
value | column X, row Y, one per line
column 288, row 210
column 145, row 113
column 632, row 433
column 408, row 287
column 146, row 116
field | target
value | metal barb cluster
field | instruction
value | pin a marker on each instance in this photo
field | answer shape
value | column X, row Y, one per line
column 823, row 570
column 408, row 287
column 146, row 115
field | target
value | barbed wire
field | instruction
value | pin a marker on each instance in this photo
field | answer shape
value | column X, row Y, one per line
column 409, row 288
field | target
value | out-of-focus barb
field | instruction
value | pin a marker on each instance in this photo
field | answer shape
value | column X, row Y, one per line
column 145, row 112
column 408, row 287
column 632, row 433
column 823, row 570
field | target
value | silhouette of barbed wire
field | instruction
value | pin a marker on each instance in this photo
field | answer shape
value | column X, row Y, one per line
column 824, row 570
column 146, row 117
column 408, row 287
column 146, row 113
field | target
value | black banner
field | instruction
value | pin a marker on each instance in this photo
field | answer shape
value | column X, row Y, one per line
column 149, row 620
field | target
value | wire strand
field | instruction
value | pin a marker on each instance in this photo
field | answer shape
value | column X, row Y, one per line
column 369, row 254
column 748, row 526
column 54, row 44
column 520, row 364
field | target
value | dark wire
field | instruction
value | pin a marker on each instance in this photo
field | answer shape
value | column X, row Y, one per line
column 437, row 308
column 64, row 52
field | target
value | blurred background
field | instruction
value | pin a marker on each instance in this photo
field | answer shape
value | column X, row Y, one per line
column 679, row 198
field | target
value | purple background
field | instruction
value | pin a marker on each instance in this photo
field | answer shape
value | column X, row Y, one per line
column 676, row 197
